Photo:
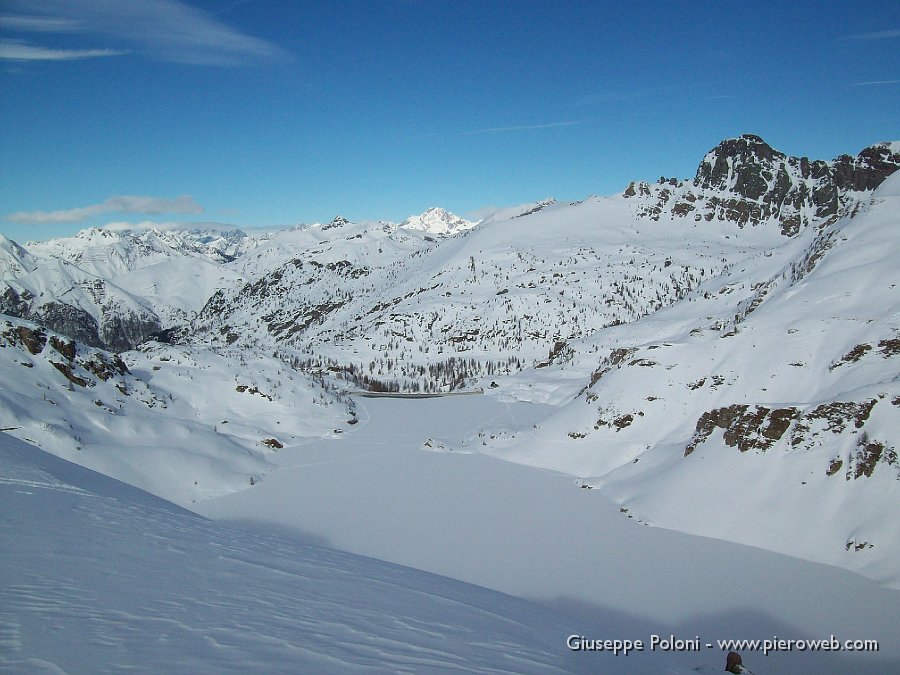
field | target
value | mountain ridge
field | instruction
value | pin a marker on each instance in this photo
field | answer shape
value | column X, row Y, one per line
column 747, row 335
column 746, row 181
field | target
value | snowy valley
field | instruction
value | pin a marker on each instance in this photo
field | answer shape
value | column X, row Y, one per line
column 684, row 419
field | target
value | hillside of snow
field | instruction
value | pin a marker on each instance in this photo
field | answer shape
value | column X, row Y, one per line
column 97, row 576
column 771, row 397
column 129, row 581
column 182, row 423
column 404, row 487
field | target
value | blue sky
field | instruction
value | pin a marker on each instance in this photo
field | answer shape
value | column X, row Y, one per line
column 262, row 113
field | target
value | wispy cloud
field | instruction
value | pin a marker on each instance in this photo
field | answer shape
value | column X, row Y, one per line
column 12, row 50
column 876, row 35
column 119, row 204
column 165, row 30
column 38, row 24
column 524, row 127
column 873, row 82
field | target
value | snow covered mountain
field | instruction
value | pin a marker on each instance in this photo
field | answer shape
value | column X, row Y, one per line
column 74, row 302
column 113, row 289
column 432, row 314
column 14, row 260
column 128, row 416
column 438, row 221
column 769, row 397
column 745, row 181
column 742, row 323
column 717, row 356
column 107, row 253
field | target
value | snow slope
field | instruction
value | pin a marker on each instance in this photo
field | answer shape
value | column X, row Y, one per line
column 183, row 423
column 97, row 576
column 770, row 399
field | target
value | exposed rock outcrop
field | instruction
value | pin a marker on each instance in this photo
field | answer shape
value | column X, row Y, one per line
column 758, row 428
column 746, row 181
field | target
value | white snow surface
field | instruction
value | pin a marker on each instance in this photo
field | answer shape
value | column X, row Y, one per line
column 403, row 487
column 130, row 582
column 791, row 343
column 97, row 576
column 509, row 212
column 172, row 272
column 182, row 423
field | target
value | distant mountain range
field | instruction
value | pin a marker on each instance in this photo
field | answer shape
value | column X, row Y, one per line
column 727, row 342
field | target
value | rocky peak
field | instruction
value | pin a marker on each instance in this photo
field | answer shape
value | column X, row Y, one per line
column 742, row 165
column 96, row 233
column 751, row 168
column 746, row 181
column 868, row 169
column 337, row 221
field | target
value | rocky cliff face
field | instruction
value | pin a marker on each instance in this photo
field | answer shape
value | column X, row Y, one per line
column 113, row 289
column 118, row 329
column 64, row 298
column 746, row 181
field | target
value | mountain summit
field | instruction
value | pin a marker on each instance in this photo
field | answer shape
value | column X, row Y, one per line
column 438, row 221
column 745, row 181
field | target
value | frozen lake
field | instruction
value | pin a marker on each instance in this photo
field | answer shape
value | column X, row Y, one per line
column 397, row 488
